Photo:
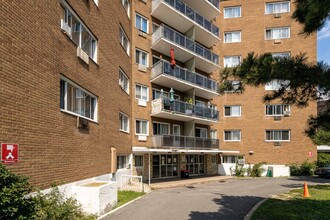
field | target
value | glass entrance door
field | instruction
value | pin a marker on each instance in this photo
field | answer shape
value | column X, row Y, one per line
column 164, row 165
column 195, row 164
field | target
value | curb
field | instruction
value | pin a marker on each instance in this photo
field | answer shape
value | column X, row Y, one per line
column 116, row 209
column 250, row 213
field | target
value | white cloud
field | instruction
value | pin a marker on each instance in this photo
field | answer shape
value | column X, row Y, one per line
column 324, row 32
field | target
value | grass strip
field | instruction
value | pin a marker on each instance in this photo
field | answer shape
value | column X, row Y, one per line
column 126, row 196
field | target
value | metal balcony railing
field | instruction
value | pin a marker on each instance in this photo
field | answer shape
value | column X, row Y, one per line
column 164, row 141
column 191, row 13
column 165, row 104
column 178, row 38
column 216, row 3
column 164, row 67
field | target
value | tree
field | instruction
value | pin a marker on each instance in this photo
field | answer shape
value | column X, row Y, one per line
column 301, row 82
column 312, row 14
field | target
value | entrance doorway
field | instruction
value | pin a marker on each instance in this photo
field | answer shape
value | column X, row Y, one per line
column 164, row 165
column 195, row 164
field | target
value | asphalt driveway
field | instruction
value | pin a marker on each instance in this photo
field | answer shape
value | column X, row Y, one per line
column 231, row 199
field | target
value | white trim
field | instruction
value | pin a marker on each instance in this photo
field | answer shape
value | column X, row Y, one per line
column 231, row 7
column 232, row 116
column 240, row 136
column 281, row 135
column 137, row 84
column 138, row 14
column 274, row 3
column 277, row 28
column 136, row 149
column 141, row 134
column 128, row 120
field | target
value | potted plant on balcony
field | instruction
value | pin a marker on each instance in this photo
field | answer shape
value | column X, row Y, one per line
column 189, row 106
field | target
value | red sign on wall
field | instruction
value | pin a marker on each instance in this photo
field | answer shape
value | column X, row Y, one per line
column 9, row 153
column 310, row 154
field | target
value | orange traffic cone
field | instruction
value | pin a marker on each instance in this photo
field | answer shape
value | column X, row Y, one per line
column 306, row 193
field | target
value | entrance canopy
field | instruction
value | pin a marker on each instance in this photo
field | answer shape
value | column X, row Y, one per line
column 139, row 150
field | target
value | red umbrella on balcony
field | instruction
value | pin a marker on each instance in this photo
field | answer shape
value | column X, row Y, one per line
column 173, row 63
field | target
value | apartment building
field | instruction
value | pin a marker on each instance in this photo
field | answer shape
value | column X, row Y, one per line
column 92, row 90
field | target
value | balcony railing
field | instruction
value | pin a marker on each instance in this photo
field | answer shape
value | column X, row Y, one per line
column 179, row 107
column 164, row 141
column 164, row 67
column 216, row 3
column 178, row 38
column 192, row 14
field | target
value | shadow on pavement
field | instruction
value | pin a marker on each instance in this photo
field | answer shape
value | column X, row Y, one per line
column 310, row 179
column 227, row 209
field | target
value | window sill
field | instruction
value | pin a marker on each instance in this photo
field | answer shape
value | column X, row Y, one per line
column 77, row 115
column 123, row 131
column 232, row 140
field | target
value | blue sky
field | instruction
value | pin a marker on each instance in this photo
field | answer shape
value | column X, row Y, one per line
column 323, row 44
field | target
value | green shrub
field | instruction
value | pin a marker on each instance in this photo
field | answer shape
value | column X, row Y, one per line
column 305, row 169
column 257, row 170
column 54, row 205
column 14, row 202
column 239, row 170
column 323, row 159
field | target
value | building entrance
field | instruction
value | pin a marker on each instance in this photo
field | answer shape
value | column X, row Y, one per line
column 164, row 165
column 195, row 164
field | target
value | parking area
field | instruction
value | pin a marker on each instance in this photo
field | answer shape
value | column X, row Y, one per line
column 220, row 199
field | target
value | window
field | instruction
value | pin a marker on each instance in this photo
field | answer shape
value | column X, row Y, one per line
column 122, row 162
column 123, row 81
column 161, row 128
column 141, row 57
column 157, row 94
column 77, row 100
column 234, row 135
column 138, row 160
column 123, row 122
column 96, row 2
column 213, row 134
column 127, row 6
column 124, row 40
column 231, row 61
column 277, row 7
column 229, row 159
column 233, row 111
column 141, row 23
column 141, row 92
column 276, row 84
column 155, row 59
column 141, row 127
column 277, row 110
column 214, row 159
column 232, row 12
column 232, row 37
column 154, row 27
column 79, row 33
column 281, row 55
column 201, row 132
column 278, row 135
column 277, row 33
column 235, row 84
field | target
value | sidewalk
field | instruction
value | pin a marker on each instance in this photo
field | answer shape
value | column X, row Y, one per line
column 175, row 182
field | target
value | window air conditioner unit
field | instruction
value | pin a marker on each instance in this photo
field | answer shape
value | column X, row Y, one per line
column 277, row 118
column 142, row 68
column 286, row 113
column 65, row 28
column 142, row 138
column 142, row 34
column 277, row 15
column 142, row 103
column 82, row 55
column 277, row 41
column 277, row 143
column 82, row 123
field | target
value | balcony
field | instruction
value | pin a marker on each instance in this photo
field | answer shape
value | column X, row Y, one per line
column 182, row 111
column 170, row 141
column 181, row 79
column 181, row 17
column 185, row 49
column 208, row 8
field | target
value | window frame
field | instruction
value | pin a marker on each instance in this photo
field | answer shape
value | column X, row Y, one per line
column 224, row 135
column 123, row 75
column 232, row 32
column 279, row 140
column 271, row 87
column 142, row 86
column 161, row 123
column 123, row 115
column 122, row 37
column 128, row 9
column 274, row 106
column 124, row 165
column 147, row 127
column 64, row 99
column 93, row 48
column 232, row 7
column 277, row 28
column 276, row 3
column 231, row 57
column 139, row 162
column 143, row 18
column 141, row 52
column 232, row 116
